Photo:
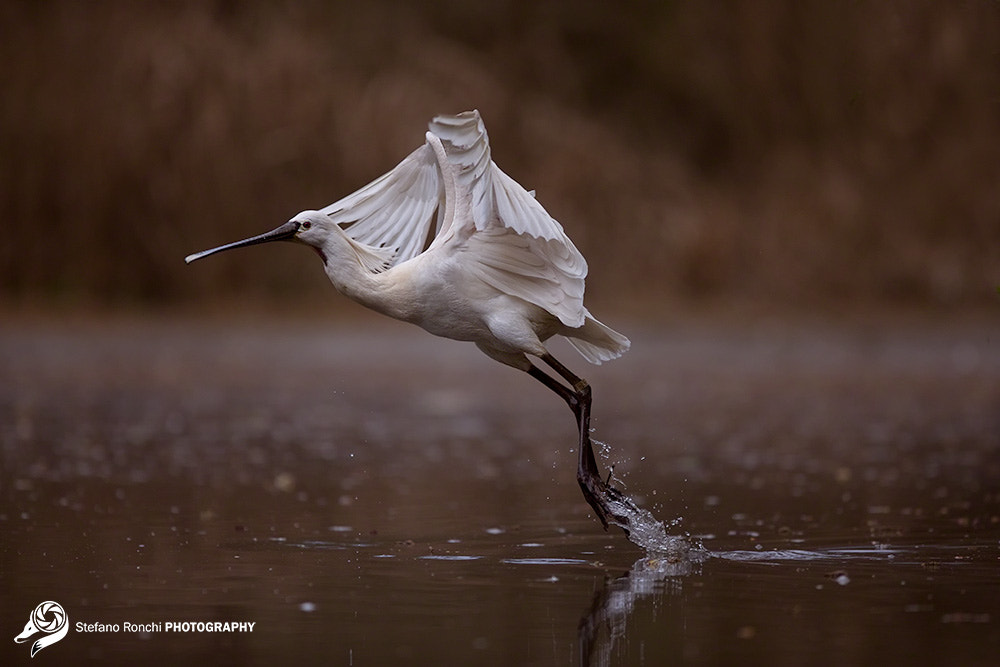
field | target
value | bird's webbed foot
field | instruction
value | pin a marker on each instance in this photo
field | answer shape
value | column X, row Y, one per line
column 610, row 504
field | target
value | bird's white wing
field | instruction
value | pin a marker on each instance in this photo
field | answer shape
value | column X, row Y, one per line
column 397, row 212
column 496, row 198
column 450, row 192
column 466, row 162
column 548, row 273
column 518, row 209
column 504, row 236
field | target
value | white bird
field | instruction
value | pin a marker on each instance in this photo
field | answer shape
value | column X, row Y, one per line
column 448, row 241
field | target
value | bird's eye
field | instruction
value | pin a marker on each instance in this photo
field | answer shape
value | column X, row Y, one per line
column 305, row 225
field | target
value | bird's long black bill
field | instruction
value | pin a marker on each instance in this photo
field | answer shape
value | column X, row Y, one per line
column 283, row 233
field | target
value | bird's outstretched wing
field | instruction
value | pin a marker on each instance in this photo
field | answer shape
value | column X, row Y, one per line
column 545, row 272
column 494, row 197
column 450, row 192
column 505, row 237
column 398, row 212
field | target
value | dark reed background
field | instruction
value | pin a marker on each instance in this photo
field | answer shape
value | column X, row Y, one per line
column 799, row 154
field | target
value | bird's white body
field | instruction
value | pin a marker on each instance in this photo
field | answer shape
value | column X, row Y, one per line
column 437, row 292
column 449, row 242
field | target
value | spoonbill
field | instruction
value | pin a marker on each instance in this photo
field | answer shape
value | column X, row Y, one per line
column 448, row 241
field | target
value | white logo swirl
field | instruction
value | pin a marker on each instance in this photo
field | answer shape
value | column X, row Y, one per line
column 48, row 617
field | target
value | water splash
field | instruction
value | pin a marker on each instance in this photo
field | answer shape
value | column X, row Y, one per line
column 648, row 532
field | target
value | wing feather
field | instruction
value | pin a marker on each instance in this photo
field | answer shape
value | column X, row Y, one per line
column 398, row 210
column 543, row 272
column 496, row 197
column 518, row 209
column 512, row 243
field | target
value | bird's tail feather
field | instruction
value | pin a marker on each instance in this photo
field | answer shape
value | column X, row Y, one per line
column 597, row 342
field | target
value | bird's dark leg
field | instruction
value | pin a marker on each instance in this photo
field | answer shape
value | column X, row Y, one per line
column 597, row 492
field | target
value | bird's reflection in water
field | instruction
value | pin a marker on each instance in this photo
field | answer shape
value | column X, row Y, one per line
column 605, row 621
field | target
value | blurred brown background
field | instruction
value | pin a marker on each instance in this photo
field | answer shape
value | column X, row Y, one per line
column 799, row 154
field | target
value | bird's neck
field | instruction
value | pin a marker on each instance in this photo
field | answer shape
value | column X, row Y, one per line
column 359, row 283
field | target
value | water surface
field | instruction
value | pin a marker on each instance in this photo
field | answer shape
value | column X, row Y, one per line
column 367, row 494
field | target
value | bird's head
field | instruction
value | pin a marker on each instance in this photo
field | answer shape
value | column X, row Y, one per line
column 309, row 227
